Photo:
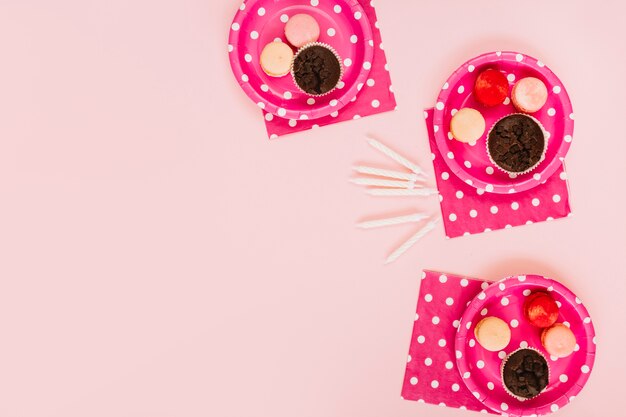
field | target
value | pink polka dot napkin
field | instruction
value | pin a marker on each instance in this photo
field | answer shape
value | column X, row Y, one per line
column 468, row 210
column 375, row 96
column 431, row 373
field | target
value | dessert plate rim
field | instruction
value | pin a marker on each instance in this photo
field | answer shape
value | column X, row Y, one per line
column 500, row 289
column 522, row 182
column 274, row 103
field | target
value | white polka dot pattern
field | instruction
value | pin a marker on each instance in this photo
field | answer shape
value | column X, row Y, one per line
column 478, row 366
column 466, row 209
column 263, row 21
column 431, row 374
column 471, row 164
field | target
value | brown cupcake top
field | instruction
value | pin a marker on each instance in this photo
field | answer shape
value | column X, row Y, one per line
column 516, row 143
column 316, row 69
column 525, row 373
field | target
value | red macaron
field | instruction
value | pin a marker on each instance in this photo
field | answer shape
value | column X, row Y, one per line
column 541, row 310
column 491, row 88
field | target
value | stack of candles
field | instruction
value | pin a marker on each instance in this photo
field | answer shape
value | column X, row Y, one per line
column 396, row 183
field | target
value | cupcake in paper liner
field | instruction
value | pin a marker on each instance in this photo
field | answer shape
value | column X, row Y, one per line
column 316, row 69
column 525, row 373
column 517, row 144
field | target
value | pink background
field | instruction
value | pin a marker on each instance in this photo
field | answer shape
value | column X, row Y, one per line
column 160, row 257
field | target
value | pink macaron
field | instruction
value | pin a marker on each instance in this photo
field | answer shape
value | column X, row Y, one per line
column 558, row 340
column 302, row 29
column 529, row 94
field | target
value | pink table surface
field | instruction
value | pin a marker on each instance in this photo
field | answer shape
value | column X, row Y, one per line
column 159, row 257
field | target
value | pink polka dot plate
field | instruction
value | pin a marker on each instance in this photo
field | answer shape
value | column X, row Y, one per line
column 470, row 162
column 343, row 25
column 481, row 369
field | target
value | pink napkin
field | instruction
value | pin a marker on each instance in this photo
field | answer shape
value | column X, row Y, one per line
column 467, row 210
column 376, row 96
column 431, row 374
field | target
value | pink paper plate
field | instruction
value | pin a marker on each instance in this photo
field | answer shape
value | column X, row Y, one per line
column 471, row 163
column 343, row 25
column 480, row 369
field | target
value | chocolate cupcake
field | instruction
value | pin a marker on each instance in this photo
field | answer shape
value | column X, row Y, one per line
column 316, row 69
column 525, row 373
column 516, row 143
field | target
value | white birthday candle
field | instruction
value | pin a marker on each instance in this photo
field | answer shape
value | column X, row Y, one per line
column 379, row 172
column 412, row 240
column 395, row 156
column 385, row 183
column 411, row 218
column 397, row 192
